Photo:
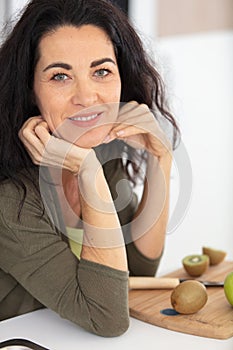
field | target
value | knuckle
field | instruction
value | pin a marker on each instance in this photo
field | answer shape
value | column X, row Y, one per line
column 51, row 147
column 24, row 133
column 37, row 159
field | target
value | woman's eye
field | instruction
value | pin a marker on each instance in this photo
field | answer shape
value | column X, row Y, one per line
column 60, row 77
column 101, row 73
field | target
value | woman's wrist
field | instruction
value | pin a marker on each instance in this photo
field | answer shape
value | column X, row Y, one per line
column 79, row 159
column 164, row 161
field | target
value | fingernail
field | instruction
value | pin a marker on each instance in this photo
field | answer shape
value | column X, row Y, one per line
column 107, row 139
column 120, row 133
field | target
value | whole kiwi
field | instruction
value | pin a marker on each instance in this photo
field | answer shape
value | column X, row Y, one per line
column 189, row 297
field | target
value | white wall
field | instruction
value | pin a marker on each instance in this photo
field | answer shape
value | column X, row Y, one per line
column 142, row 16
column 15, row 5
column 2, row 13
column 8, row 9
column 198, row 71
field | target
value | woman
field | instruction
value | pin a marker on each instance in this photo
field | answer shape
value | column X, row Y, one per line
column 76, row 127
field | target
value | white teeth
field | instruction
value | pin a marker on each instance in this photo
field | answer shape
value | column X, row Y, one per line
column 85, row 119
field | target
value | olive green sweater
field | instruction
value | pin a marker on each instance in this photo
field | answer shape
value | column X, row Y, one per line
column 38, row 268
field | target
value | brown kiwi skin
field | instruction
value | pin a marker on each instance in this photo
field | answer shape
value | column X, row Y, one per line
column 216, row 256
column 196, row 269
column 189, row 297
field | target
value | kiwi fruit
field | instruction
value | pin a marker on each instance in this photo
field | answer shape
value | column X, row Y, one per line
column 189, row 297
column 196, row 265
column 215, row 255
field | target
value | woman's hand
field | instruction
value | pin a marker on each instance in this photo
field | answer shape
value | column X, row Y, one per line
column 47, row 150
column 137, row 126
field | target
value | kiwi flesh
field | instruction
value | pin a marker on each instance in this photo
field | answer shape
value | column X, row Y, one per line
column 215, row 255
column 189, row 297
column 196, row 265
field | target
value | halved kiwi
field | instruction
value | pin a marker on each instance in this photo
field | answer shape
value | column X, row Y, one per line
column 196, row 265
column 215, row 255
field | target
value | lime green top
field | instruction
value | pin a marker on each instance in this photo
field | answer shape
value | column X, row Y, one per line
column 75, row 236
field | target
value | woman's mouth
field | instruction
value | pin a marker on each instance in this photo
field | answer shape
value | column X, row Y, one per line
column 86, row 120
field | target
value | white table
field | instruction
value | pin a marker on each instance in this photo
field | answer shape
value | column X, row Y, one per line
column 49, row 330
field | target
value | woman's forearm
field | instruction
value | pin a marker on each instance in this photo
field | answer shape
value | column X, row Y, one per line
column 103, row 239
column 149, row 225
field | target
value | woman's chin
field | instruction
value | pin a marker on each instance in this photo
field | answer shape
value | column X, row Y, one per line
column 87, row 145
column 88, row 142
column 93, row 138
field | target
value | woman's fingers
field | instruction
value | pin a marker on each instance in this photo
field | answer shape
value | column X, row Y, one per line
column 128, row 109
column 42, row 132
column 133, row 110
column 137, row 126
column 30, row 124
column 28, row 127
column 48, row 150
column 30, row 139
column 124, row 131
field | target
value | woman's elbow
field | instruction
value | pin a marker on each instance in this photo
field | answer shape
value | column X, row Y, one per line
column 113, row 326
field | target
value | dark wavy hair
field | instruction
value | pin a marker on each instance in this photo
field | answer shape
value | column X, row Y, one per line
column 19, row 55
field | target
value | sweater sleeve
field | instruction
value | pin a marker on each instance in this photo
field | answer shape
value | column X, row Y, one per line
column 91, row 295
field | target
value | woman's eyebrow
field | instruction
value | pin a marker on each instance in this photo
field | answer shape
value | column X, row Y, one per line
column 69, row 67
column 101, row 61
column 58, row 65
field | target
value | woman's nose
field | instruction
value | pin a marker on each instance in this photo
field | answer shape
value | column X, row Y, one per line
column 85, row 93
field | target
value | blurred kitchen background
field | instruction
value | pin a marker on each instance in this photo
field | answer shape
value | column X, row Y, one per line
column 192, row 44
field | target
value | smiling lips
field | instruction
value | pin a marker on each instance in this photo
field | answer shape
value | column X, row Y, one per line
column 87, row 120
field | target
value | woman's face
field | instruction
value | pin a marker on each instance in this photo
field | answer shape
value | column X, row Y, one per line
column 77, row 84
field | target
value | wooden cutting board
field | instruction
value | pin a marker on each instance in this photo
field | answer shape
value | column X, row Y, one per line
column 214, row 320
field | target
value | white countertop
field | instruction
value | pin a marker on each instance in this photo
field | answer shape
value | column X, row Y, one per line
column 46, row 328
